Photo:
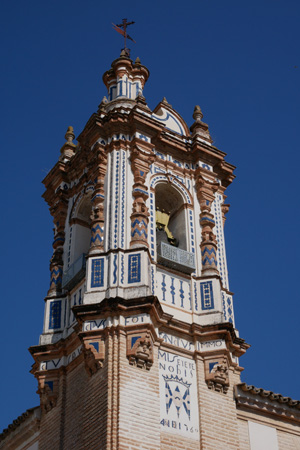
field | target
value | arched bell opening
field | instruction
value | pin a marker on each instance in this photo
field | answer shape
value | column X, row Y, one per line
column 81, row 225
column 79, row 242
column 171, row 229
column 170, row 216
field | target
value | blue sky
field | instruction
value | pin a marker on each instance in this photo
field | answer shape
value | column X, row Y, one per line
column 240, row 62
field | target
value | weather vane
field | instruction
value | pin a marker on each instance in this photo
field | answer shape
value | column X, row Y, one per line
column 121, row 28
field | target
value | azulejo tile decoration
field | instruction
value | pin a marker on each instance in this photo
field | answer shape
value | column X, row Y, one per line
column 55, row 315
column 207, row 296
column 97, row 276
column 134, row 268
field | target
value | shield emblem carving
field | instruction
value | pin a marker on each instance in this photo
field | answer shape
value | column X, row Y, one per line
column 177, row 393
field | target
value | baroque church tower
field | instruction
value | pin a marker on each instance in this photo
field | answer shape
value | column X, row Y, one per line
column 139, row 348
column 139, row 330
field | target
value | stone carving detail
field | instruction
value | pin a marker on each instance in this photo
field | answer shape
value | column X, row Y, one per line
column 48, row 392
column 140, row 164
column 140, row 350
column 205, row 194
column 59, row 213
column 217, row 376
column 68, row 149
column 224, row 209
column 97, row 217
column 93, row 351
column 200, row 128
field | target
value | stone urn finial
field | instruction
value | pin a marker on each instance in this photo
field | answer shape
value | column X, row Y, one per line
column 69, row 136
column 68, row 149
column 197, row 115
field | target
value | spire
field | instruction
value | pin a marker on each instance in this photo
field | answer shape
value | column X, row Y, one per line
column 126, row 79
column 122, row 29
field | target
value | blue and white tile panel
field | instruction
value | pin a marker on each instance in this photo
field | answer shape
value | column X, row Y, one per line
column 118, row 269
column 55, row 315
column 207, row 296
column 227, row 305
column 74, row 299
column 58, row 312
column 173, row 290
column 124, row 88
column 219, row 232
column 152, row 225
column 117, row 208
column 197, row 233
column 188, row 295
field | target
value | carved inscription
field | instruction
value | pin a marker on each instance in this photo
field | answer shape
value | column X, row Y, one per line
column 178, row 395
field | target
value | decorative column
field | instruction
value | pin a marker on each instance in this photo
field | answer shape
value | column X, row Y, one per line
column 141, row 161
column 205, row 194
column 58, row 202
column 97, row 217
column 59, row 213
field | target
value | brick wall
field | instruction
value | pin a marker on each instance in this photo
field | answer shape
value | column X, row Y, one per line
column 118, row 408
column 139, row 410
column 218, row 421
column 51, row 422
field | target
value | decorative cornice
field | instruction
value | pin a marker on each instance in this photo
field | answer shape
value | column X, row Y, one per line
column 267, row 402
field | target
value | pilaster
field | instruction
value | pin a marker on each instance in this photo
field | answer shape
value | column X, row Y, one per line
column 59, row 213
column 97, row 217
column 141, row 159
column 205, row 193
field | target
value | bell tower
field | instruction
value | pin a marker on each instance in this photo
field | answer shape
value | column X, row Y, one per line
column 139, row 347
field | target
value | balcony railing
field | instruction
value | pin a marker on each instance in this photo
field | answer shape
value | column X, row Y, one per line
column 176, row 258
column 74, row 274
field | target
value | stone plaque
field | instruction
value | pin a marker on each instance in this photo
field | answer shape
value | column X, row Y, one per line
column 178, row 395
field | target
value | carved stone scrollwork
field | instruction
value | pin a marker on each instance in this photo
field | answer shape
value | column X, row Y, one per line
column 140, row 350
column 93, row 351
column 48, row 392
column 216, row 374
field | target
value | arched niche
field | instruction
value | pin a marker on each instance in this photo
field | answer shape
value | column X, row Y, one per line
column 80, row 224
column 171, row 212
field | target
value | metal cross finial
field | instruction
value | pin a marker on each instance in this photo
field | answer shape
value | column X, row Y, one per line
column 121, row 28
